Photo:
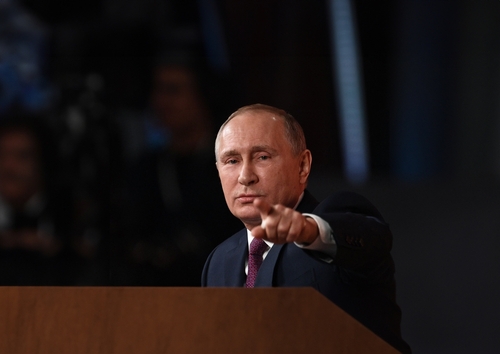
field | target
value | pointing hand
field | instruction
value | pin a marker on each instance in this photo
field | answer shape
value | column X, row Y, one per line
column 281, row 224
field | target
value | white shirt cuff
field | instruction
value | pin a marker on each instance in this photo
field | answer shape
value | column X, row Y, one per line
column 325, row 243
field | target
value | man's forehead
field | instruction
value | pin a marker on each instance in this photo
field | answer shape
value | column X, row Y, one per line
column 253, row 126
column 239, row 140
column 250, row 129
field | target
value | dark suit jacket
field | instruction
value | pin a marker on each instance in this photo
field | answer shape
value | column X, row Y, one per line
column 359, row 279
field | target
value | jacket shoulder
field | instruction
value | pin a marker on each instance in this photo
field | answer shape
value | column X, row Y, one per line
column 349, row 202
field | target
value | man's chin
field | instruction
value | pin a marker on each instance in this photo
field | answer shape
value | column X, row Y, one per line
column 249, row 219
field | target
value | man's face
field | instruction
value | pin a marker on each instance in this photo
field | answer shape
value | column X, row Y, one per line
column 175, row 98
column 19, row 166
column 255, row 160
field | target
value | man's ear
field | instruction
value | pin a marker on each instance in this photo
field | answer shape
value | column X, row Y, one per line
column 305, row 165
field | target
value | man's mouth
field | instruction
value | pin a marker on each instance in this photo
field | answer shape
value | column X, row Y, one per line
column 247, row 198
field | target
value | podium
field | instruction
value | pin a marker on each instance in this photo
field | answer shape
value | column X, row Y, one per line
column 157, row 320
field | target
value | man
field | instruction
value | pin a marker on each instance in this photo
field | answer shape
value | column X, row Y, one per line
column 167, row 240
column 34, row 220
column 342, row 249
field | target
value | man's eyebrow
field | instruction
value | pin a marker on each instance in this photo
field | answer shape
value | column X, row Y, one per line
column 254, row 149
column 268, row 148
column 229, row 153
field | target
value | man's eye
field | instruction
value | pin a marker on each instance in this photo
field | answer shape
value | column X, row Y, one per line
column 264, row 157
column 231, row 161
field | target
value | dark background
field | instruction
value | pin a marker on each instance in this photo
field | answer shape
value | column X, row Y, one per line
column 431, row 78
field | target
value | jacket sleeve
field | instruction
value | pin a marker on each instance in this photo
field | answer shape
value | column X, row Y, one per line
column 363, row 238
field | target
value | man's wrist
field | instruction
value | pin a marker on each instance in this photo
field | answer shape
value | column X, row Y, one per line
column 325, row 243
column 311, row 232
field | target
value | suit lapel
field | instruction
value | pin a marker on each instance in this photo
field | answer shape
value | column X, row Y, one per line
column 234, row 263
column 266, row 271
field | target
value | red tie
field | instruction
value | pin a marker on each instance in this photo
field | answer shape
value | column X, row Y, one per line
column 257, row 249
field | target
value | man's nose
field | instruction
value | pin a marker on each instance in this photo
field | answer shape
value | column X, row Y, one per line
column 247, row 175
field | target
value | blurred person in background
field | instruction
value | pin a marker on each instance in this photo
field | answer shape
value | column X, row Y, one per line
column 173, row 212
column 23, row 59
column 35, row 213
column 60, row 210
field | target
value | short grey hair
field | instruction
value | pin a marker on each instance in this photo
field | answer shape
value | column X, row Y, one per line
column 293, row 130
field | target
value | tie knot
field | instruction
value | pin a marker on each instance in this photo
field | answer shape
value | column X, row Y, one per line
column 258, row 247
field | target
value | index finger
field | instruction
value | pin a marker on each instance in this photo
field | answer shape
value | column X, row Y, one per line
column 263, row 207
